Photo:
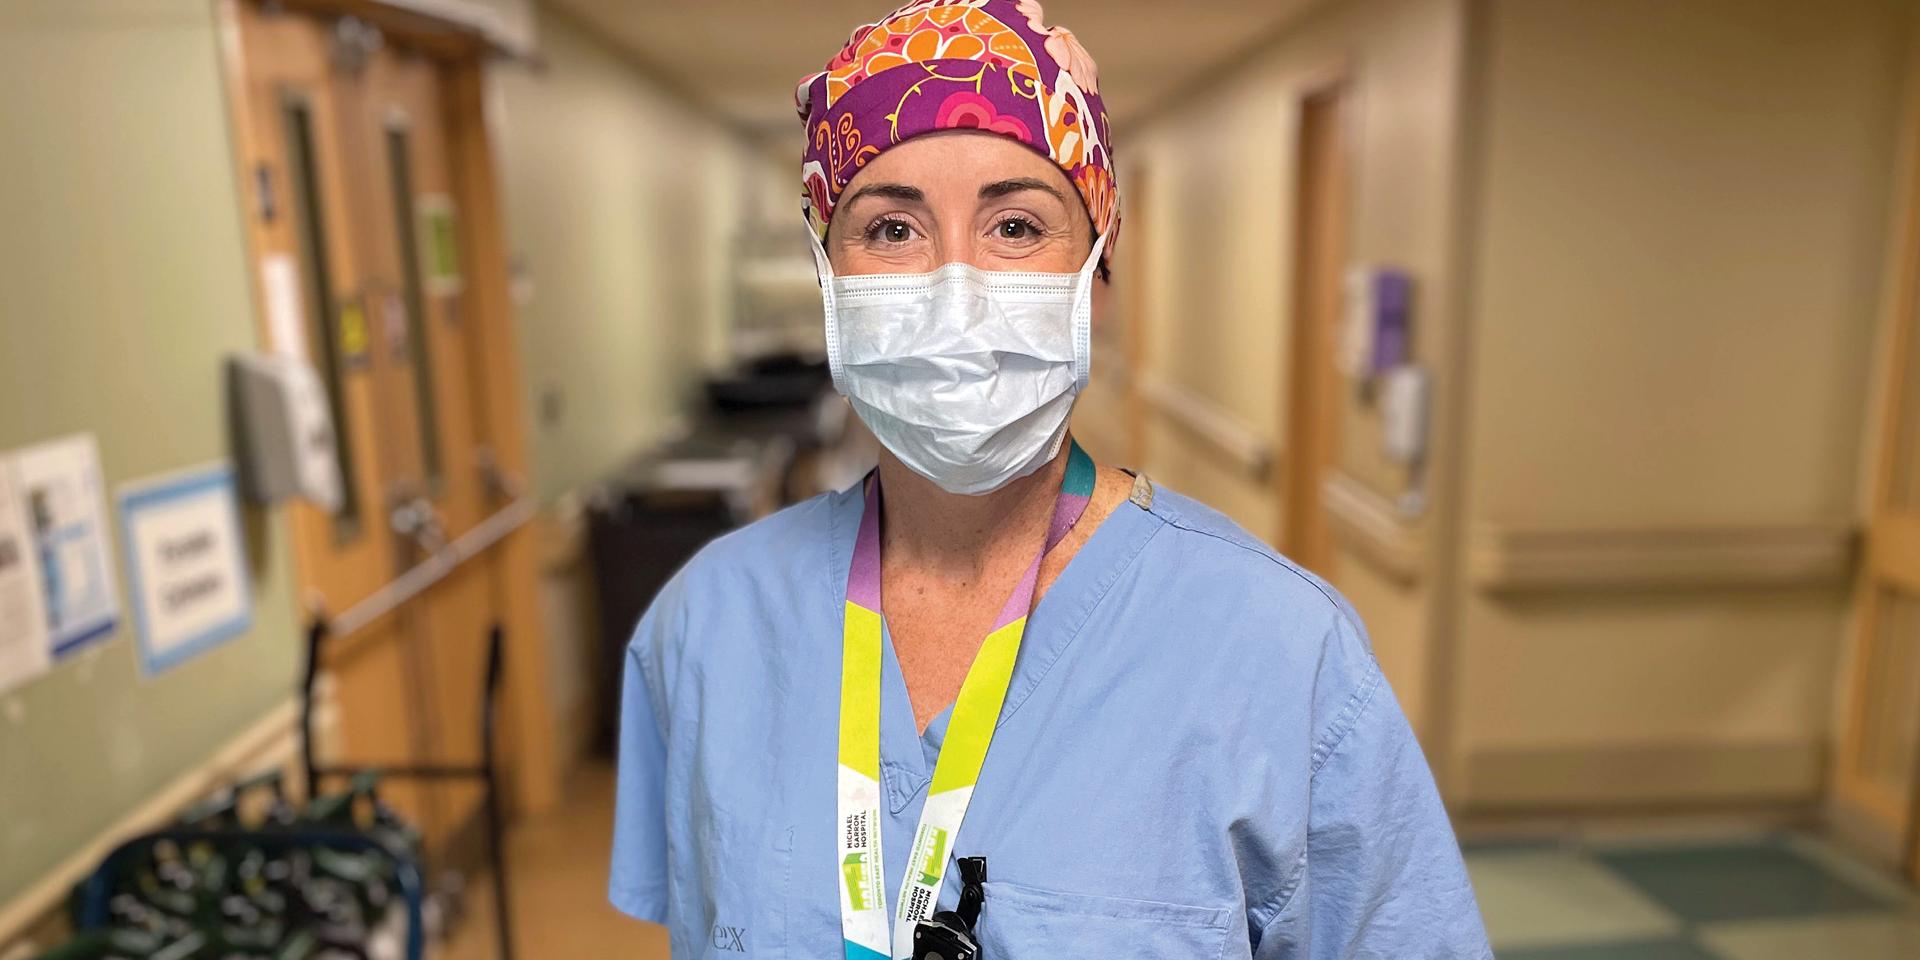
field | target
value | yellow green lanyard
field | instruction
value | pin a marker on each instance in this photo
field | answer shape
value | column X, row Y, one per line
column 863, row 909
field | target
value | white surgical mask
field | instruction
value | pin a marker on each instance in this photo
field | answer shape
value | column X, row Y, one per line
column 966, row 375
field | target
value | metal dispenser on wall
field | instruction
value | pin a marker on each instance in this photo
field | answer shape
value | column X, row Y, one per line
column 283, row 430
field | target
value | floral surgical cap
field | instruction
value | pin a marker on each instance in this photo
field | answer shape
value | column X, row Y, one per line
column 936, row 65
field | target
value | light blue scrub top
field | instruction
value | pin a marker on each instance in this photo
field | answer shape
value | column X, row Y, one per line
column 1198, row 758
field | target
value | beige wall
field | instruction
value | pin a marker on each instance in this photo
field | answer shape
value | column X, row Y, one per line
column 1212, row 189
column 125, row 277
column 622, row 202
column 1679, row 249
column 1646, row 240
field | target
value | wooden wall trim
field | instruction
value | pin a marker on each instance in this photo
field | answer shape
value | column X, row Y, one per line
column 1595, row 777
column 1372, row 528
column 271, row 741
column 1517, row 559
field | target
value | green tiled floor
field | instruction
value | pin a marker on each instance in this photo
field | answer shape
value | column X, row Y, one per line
column 1760, row 898
column 1631, row 950
column 1868, row 936
column 1540, row 898
column 1738, row 882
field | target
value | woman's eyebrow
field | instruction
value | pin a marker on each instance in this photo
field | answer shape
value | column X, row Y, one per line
column 1001, row 188
column 895, row 191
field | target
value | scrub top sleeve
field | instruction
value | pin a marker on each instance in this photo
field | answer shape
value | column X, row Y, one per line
column 638, row 878
column 1383, row 875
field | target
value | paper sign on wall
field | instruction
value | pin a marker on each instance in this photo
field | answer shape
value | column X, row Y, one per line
column 286, row 323
column 24, row 650
column 440, row 245
column 353, row 335
column 186, row 567
column 59, row 485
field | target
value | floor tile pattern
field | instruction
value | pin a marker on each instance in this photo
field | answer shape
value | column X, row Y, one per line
column 1765, row 897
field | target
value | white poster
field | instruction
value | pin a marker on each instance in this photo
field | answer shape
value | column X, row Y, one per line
column 280, row 286
column 24, row 650
column 186, row 565
column 59, row 483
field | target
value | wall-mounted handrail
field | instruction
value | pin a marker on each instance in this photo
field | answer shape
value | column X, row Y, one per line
column 1207, row 420
column 434, row 568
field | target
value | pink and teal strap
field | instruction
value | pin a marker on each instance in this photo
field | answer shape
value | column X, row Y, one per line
column 863, row 917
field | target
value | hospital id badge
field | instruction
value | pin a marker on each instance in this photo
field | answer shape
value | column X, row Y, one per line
column 939, row 939
column 948, row 935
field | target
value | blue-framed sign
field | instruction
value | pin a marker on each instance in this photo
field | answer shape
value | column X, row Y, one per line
column 186, row 565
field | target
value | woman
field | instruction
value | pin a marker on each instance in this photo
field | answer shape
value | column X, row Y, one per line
column 1097, row 719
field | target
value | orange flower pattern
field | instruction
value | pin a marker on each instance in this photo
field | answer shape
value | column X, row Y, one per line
column 939, row 33
column 991, row 65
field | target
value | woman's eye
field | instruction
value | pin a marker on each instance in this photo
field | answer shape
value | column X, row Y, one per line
column 1014, row 228
column 891, row 231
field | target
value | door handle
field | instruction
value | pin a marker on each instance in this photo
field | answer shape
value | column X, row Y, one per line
column 501, row 483
column 416, row 520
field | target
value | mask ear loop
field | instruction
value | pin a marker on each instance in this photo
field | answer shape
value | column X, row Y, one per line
column 1083, row 317
column 824, row 268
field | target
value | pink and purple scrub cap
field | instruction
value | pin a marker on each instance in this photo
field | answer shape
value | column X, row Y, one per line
column 936, row 65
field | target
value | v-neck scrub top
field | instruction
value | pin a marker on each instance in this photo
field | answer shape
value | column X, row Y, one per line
column 1197, row 757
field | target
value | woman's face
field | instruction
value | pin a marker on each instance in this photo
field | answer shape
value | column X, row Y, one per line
column 967, row 197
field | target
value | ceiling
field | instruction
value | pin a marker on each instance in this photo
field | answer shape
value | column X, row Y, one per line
column 744, row 57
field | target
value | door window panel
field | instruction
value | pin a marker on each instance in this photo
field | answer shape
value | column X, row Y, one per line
column 310, row 207
column 400, row 176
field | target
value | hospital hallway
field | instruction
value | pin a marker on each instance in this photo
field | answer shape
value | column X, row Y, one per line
column 368, row 368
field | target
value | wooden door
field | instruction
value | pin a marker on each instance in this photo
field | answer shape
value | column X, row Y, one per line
column 1879, row 769
column 1313, row 398
column 1877, row 773
column 303, row 211
column 300, row 214
column 417, row 282
column 354, row 138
